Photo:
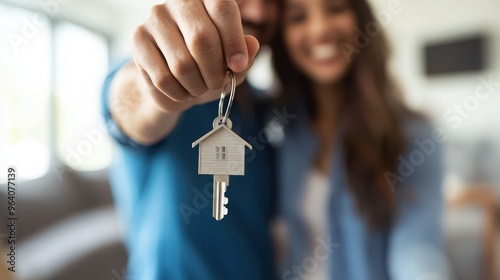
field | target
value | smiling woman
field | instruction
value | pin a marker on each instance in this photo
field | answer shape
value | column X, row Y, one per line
column 352, row 128
column 349, row 91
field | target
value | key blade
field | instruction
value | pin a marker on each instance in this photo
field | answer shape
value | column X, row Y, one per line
column 219, row 210
column 221, row 183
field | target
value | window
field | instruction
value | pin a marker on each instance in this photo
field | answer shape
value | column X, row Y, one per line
column 49, row 94
column 80, row 132
column 220, row 152
column 24, row 94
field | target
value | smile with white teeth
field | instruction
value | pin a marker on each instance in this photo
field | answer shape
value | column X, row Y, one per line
column 324, row 51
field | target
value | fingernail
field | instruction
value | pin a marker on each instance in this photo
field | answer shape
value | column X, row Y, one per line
column 238, row 62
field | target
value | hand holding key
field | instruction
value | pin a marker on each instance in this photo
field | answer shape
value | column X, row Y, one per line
column 184, row 48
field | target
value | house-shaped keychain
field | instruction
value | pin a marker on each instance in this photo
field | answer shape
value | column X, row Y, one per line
column 222, row 152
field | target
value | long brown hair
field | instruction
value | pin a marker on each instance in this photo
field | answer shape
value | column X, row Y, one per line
column 372, row 116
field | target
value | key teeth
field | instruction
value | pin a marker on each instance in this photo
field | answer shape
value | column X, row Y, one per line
column 226, row 200
column 224, row 211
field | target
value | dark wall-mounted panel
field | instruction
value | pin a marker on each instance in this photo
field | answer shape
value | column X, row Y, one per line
column 455, row 56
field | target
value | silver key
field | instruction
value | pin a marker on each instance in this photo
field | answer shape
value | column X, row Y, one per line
column 222, row 153
column 221, row 182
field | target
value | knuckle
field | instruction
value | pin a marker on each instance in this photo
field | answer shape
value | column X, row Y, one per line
column 224, row 7
column 182, row 67
column 157, row 11
column 166, row 84
column 139, row 34
column 204, row 41
column 139, row 43
column 162, row 81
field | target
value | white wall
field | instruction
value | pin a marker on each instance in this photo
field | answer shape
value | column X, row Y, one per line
column 424, row 21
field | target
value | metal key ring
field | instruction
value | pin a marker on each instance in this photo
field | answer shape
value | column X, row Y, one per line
column 231, row 97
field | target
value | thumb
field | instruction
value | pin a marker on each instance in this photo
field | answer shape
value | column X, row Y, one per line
column 253, row 47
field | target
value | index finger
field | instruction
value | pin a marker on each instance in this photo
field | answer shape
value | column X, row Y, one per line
column 225, row 15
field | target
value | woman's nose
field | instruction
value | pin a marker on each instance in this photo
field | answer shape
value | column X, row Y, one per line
column 318, row 26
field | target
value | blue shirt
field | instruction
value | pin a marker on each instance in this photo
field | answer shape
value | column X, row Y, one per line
column 411, row 248
column 166, row 207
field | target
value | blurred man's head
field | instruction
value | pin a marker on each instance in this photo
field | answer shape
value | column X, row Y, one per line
column 259, row 18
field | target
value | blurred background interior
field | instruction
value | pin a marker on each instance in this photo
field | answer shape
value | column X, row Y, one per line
column 54, row 56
